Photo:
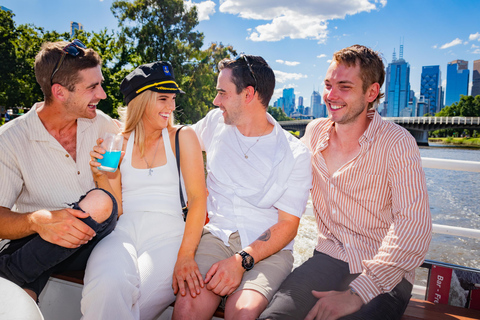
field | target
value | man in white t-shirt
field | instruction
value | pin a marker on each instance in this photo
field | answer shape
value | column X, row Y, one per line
column 44, row 165
column 259, row 177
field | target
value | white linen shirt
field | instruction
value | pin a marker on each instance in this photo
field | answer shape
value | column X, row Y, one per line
column 246, row 194
column 36, row 172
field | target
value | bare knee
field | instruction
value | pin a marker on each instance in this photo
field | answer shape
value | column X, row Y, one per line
column 98, row 204
column 245, row 304
column 203, row 306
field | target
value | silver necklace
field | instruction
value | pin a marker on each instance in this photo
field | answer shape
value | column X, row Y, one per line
column 240, row 145
column 150, row 170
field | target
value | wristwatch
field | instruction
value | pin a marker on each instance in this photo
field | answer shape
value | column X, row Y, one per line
column 247, row 260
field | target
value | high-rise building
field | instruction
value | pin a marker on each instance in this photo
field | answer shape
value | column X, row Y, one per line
column 431, row 88
column 412, row 103
column 457, row 81
column 476, row 78
column 75, row 26
column 289, row 100
column 5, row 9
column 307, row 111
column 421, row 107
column 397, row 85
column 316, row 105
column 281, row 103
column 300, row 107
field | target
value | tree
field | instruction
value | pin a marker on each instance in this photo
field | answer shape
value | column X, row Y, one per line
column 164, row 30
column 468, row 106
column 199, row 83
column 115, row 57
column 8, row 35
column 278, row 114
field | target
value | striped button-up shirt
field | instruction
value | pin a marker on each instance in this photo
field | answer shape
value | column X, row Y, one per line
column 373, row 212
column 36, row 172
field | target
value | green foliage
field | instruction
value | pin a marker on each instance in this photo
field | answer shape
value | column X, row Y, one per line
column 8, row 35
column 150, row 30
column 164, row 30
column 278, row 114
column 468, row 106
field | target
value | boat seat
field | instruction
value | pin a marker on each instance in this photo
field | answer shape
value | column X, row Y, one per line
column 416, row 310
column 425, row 310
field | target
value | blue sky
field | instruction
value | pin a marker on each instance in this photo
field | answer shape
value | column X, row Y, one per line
column 298, row 37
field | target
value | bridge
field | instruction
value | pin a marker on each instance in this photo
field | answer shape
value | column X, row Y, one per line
column 417, row 126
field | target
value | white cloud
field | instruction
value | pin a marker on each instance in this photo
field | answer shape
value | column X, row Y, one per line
column 435, row 47
column 282, row 77
column 288, row 63
column 474, row 36
column 476, row 51
column 204, row 9
column 474, row 46
column 451, row 44
column 300, row 19
column 323, row 55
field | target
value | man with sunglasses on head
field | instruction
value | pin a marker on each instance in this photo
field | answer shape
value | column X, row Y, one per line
column 51, row 214
column 259, row 177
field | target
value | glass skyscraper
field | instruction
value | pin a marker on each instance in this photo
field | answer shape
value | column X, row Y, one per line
column 457, row 81
column 75, row 26
column 316, row 105
column 397, row 85
column 476, row 78
column 431, row 88
column 289, row 101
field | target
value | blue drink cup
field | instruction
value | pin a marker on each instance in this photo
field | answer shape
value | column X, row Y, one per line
column 112, row 143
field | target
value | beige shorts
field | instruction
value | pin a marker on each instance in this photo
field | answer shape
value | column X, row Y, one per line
column 266, row 275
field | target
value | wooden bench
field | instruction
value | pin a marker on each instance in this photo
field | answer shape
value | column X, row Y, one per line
column 417, row 309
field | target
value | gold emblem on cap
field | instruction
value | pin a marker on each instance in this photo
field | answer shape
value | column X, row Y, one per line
column 158, row 86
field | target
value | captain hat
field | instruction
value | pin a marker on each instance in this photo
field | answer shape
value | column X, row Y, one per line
column 156, row 76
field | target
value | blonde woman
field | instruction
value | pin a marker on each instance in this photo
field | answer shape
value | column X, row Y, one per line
column 136, row 271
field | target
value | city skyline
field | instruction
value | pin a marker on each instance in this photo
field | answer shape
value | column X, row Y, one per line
column 298, row 39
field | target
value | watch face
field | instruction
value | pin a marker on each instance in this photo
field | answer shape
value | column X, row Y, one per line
column 247, row 261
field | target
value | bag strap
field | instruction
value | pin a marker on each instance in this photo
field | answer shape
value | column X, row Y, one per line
column 177, row 154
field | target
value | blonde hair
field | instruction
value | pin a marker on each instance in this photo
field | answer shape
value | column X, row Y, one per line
column 132, row 117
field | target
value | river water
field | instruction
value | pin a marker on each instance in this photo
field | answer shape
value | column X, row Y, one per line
column 453, row 197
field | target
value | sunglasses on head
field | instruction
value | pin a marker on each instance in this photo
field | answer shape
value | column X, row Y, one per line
column 71, row 49
column 244, row 57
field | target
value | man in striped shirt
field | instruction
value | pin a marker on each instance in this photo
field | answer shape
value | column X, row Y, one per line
column 44, row 166
column 370, row 203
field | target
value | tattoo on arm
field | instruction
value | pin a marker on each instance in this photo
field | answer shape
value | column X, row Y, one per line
column 265, row 236
column 96, row 184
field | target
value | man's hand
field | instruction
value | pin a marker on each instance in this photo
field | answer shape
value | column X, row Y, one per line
column 62, row 227
column 334, row 304
column 225, row 276
column 186, row 270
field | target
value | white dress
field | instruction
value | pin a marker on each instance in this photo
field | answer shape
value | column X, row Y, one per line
column 129, row 273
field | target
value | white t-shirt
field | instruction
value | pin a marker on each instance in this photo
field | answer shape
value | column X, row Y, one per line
column 245, row 194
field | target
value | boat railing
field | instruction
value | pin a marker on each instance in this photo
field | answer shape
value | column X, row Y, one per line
column 459, row 165
column 448, row 164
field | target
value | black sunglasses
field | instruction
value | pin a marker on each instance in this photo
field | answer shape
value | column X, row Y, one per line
column 244, row 57
column 70, row 49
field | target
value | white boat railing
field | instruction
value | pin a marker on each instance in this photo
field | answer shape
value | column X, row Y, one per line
column 447, row 164
column 460, row 165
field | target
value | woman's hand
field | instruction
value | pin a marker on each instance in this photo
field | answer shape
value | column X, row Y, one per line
column 186, row 270
column 97, row 153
